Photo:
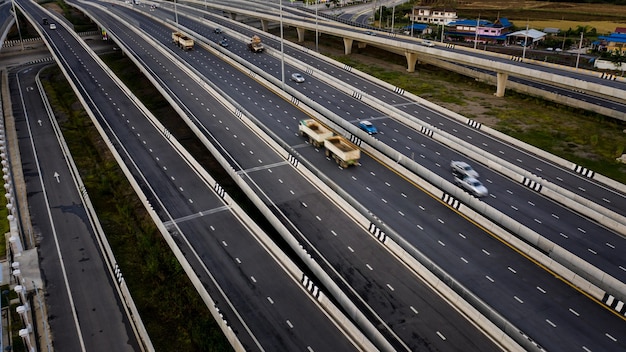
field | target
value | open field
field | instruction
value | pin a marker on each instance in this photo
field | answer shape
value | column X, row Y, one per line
column 602, row 27
column 542, row 14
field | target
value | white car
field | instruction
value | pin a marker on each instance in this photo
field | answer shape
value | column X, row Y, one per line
column 428, row 43
column 463, row 168
column 53, row 26
column 472, row 185
column 297, row 77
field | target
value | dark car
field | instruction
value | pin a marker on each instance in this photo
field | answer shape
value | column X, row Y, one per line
column 224, row 43
column 217, row 30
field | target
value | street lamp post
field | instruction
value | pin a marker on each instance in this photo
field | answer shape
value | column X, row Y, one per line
column 282, row 47
column 525, row 42
column 176, row 13
column 476, row 34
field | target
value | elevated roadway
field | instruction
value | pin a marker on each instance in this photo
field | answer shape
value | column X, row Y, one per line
column 326, row 233
column 256, row 294
column 591, row 82
column 227, row 82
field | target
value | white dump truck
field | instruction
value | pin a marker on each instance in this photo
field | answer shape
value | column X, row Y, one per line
column 255, row 44
column 183, row 41
column 316, row 132
column 344, row 152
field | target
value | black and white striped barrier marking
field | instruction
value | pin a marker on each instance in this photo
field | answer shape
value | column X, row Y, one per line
column 451, row 201
column 356, row 140
column 450, row 46
column 47, row 59
column 166, row 133
column 398, row 90
column 474, row 124
column 614, row 303
column 118, row 274
column 378, row 233
column 427, row 131
column 221, row 316
column 238, row 113
column 295, row 101
column 309, row 71
column 293, row 161
column 516, row 58
column 608, row 76
column 219, row 190
column 583, row 171
column 531, row 341
column 357, row 95
column 311, row 287
column 347, row 68
column 535, row 186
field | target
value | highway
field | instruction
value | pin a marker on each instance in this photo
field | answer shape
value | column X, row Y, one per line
column 529, row 208
column 354, row 258
column 373, row 179
column 260, row 303
column 83, row 303
column 540, row 214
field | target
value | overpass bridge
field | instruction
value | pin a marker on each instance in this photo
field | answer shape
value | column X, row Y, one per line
column 590, row 82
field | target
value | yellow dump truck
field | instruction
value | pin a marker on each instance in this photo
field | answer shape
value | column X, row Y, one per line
column 316, row 132
column 344, row 152
column 183, row 41
column 255, row 44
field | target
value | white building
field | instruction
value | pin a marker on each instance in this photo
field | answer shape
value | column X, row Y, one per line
column 427, row 14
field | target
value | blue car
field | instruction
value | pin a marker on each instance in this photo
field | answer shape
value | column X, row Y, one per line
column 368, row 127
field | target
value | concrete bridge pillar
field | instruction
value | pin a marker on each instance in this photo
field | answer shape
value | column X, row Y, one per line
column 411, row 60
column 264, row 25
column 501, row 79
column 300, row 34
column 347, row 46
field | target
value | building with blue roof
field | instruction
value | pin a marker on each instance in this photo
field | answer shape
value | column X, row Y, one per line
column 488, row 32
column 614, row 42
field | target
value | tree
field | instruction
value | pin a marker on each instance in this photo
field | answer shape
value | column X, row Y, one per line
column 618, row 58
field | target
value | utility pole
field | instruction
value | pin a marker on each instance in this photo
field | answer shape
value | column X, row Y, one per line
column 476, row 35
column 580, row 46
column 525, row 42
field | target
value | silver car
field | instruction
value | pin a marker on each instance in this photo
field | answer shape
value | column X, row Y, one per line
column 472, row 185
column 297, row 77
column 463, row 168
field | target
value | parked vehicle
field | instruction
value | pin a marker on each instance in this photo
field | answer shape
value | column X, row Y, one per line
column 183, row 41
column 368, row 127
column 471, row 185
column 463, row 168
column 297, row 77
column 255, row 44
